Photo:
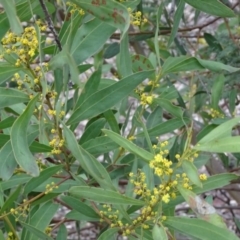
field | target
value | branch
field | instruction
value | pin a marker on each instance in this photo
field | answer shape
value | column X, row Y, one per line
column 50, row 24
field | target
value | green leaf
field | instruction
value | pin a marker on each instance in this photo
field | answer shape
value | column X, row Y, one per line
column 19, row 141
column 80, row 206
column 36, row 232
column 7, row 122
column 124, row 59
column 90, row 87
column 217, row 66
column 112, row 50
column 8, row 162
column 7, row 70
column 159, row 232
column 103, row 196
column 110, row 12
column 37, row 147
column 106, row 98
column 10, row 96
column 93, row 130
column 141, row 63
column 219, row 131
column 166, row 104
column 128, row 145
column 199, row 229
column 65, row 58
column 9, row 7
column 109, row 234
column 85, row 43
column 222, row 145
column 99, row 145
column 62, row 233
column 185, row 63
column 191, row 172
column 212, row 7
column 112, row 121
column 44, row 175
column 176, row 21
column 14, row 181
column 166, row 127
column 202, row 208
column 11, row 199
column 41, row 218
column 91, row 165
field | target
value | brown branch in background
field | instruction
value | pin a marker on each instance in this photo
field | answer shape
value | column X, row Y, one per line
column 50, row 24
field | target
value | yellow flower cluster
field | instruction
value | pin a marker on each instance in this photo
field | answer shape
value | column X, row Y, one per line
column 50, row 187
column 215, row 113
column 136, row 17
column 75, row 8
column 203, row 177
column 146, row 99
column 48, row 231
column 10, row 236
column 24, row 46
column 56, row 143
column 20, row 211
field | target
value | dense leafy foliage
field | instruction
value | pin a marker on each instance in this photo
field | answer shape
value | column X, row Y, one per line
column 110, row 109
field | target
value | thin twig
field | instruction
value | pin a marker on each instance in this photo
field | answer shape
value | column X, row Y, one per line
column 50, row 24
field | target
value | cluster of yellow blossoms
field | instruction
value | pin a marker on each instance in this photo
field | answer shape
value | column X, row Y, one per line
column 215, row 113
column 24, row 46
column 50, row 187
column 136, row 18
column 164, row 192
column 75, row 8
column 56, row 143
column 21, row 211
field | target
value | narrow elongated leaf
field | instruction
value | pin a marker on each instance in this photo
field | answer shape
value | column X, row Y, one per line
column 36, row 232
column 141, row 63
column 222, row 145
column 10, row 96
column 90, row 87
column 7, row 122
column 93, row 130
column 128, row 145
column 85, row 43
column 91, row 165
column 213, row 7
column 108, row 234
column 99, row 145
column 9, row 7
column 41, row 218
column 80, row 206
column 103, row 196
column 7, row 162
column 199, row 229
column 44, row 175
column 11, row 199
column 124, row 58
column 14, row 181
column 159, row 232
column 37, row 147
column 19, row 141
column 203, row 209
column 176, row 21
column 191, row 172
column 166, row 127
column 106, row 98
column 174, row 110
column 65, row 58
column 219, row 131
column 110, row 12
column 185, row 63
column 7, row 70
column 62, row 233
